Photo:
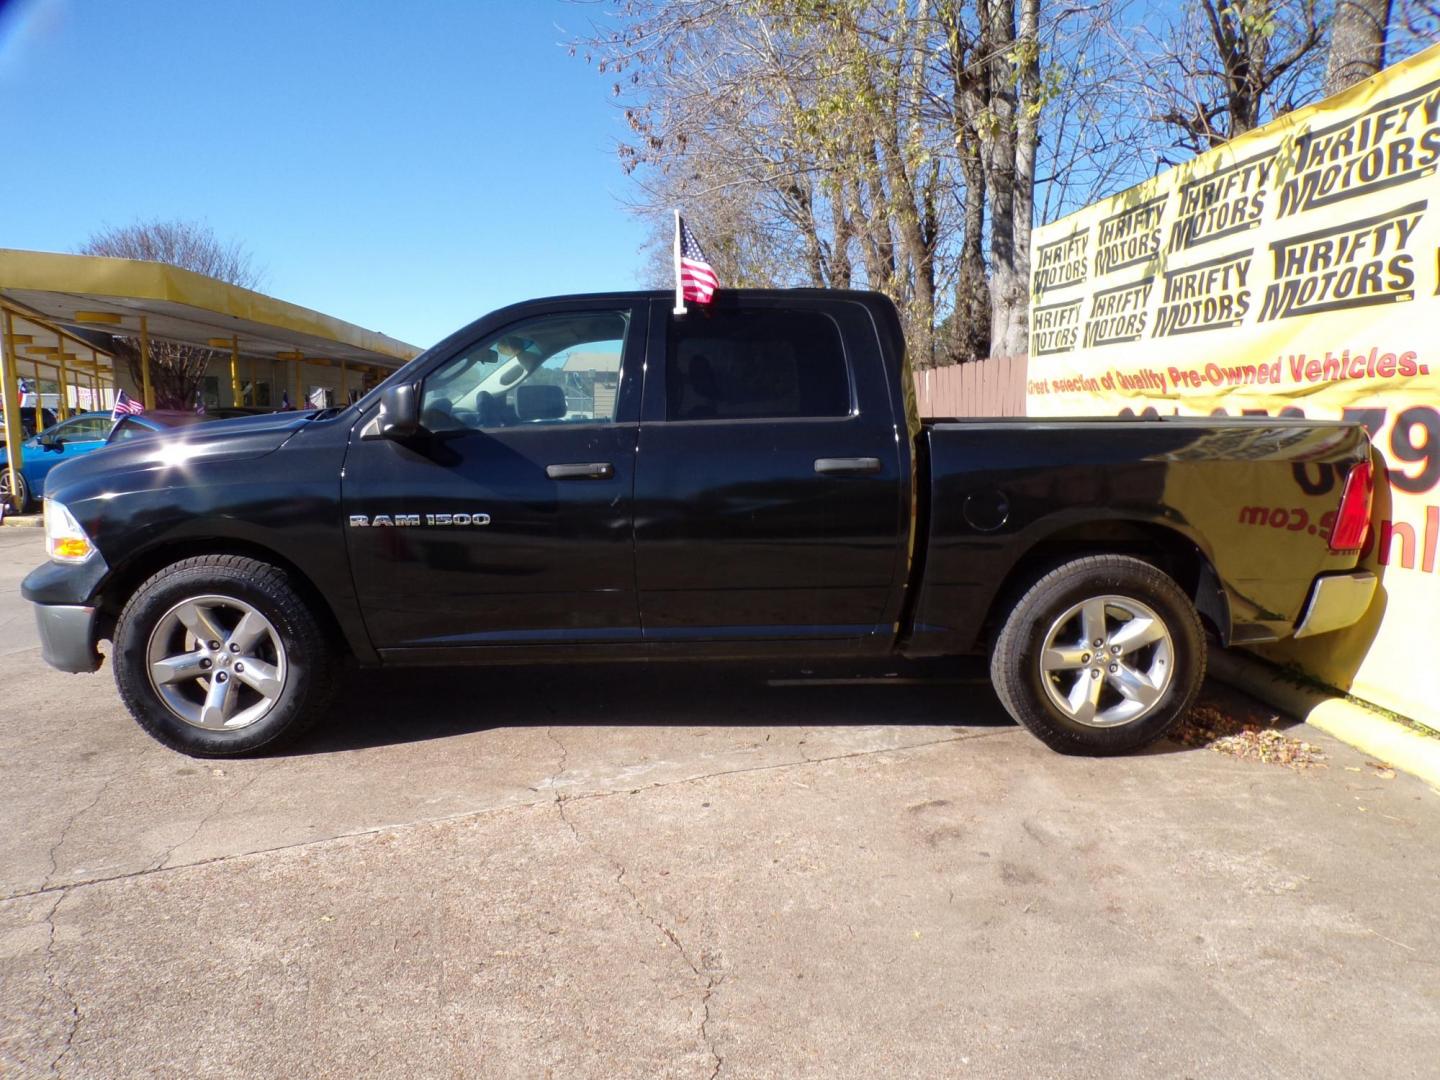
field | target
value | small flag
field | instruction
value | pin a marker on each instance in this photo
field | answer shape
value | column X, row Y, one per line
column 125, row 405
column 285, row 405
column 694, row 276
column 199, row 403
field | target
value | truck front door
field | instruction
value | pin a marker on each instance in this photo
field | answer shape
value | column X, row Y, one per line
column 509, row 520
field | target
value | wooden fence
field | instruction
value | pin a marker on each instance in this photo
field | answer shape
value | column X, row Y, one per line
column 993, row 387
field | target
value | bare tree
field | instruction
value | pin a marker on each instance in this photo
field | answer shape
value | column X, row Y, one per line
column 793, row 135
column 1415, row 25
column 909, row 146
column 851, row 142
column 175, row 368
column 1218, row 68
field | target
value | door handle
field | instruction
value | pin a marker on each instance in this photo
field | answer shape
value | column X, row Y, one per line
column 594, row 470
column 847, row 466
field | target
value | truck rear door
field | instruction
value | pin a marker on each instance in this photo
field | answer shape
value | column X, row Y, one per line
column 771, row 490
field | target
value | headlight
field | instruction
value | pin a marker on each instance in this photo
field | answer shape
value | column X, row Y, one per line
column 65, row 540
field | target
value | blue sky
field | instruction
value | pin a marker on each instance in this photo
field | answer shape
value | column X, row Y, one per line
column 405, row 166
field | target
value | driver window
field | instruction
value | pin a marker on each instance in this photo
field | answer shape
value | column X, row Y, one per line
column 72, row 431
column 87, row 430
column 553, row 369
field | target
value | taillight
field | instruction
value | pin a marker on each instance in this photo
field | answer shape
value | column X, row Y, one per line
column 1352, row 521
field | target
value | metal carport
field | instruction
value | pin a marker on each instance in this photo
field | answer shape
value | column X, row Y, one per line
column 59, row 310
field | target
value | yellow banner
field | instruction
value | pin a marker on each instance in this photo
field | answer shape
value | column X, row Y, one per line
column 1294, row 271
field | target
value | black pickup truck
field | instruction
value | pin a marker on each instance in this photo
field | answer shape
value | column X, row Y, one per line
column 597, row 478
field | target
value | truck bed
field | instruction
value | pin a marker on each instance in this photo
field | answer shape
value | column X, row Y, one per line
column 1242, row 504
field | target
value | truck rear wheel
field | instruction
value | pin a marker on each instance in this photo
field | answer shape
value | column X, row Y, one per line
column 220, row 655
column 1100, row 656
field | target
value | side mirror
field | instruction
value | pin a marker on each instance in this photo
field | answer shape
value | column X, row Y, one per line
column 51, row 443
column 399, row 416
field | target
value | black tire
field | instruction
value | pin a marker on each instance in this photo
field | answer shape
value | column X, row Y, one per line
column 308, row 660
column 1025, row 687
column 14, row 489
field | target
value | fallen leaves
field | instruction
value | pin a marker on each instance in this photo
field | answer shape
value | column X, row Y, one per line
column 1249, row 739
column 1381, row 770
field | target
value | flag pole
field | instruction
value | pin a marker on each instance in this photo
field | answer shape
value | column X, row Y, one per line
column 679, row 290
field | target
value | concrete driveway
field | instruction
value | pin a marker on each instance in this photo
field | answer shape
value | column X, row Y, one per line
column 646, row 871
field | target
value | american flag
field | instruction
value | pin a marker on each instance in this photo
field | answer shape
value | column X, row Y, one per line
column 697, row 277
column 125, row 405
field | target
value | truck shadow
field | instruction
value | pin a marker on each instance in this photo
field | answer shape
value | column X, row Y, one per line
column 384, row 708
column 377, row 708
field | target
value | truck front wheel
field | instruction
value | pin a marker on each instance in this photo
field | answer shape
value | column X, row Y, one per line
column 1102, row 655
column 220, row 655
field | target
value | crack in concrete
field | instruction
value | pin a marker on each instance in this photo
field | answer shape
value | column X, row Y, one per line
column 54, row 853
column 564, row 765
column 709, row 981
column 466, row 815
column 58, row 985
column 220, row 804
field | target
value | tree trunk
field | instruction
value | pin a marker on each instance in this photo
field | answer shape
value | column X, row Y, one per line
column 879, row 242
column 970, row 324
column 1244, row 52
column 802, row 205
column 1027, row 136
column 842, row 231
column 176, row 370
column 1357, row 42
column 969, row 330
column 919, row 258
column 1008, row 289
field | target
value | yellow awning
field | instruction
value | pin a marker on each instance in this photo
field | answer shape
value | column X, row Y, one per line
column 184, row 306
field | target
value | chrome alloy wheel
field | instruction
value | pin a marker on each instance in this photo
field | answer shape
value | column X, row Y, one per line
column 216, row 663
column 1107, row 661
column 13, row 489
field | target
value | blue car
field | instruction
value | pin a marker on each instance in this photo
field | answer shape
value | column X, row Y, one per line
column 67, row 439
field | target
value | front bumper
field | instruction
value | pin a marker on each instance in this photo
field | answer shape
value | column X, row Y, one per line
column 1336, row 601
column 65, row 583
column 67, row 637
column 64, row 595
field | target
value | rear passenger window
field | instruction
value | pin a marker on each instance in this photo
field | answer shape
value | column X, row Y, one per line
column 765, row 363
column 127, row 429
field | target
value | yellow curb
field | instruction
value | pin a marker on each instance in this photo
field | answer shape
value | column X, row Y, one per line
column 30, row 521
column 1344, row 718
